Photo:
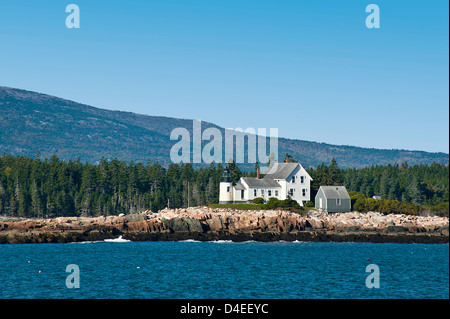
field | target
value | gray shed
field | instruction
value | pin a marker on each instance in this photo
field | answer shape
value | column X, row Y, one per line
column 333, row 199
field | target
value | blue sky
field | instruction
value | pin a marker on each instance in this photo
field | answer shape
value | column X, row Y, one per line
column 310, row 68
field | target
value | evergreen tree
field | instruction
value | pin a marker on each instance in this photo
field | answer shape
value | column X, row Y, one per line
column 36, row 200
column 235, row 172
column 2, row 195
column 334, row 174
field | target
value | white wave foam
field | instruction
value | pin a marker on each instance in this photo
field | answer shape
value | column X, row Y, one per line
column 87, row 242
column 289, row 242
column 222, row 241
column 117, row 240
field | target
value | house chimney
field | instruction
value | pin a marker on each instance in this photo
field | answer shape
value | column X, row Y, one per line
column 257, row 173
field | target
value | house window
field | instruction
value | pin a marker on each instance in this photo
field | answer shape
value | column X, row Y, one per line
column 262, row 192
column 291, row 192
column 293, row 179
column 338, row 202
column 302, row 179
column 304, row 192
column 269, row 192
column 276, row 193
column 228, row 189
column 255, row 192
column 242, row 193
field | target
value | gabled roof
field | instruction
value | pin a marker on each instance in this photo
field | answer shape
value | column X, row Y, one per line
column 335, row 192
column 282, row 170
column 239, row 186
column 254, row 182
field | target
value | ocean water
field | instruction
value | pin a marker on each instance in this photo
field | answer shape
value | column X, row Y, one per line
column 190, row 270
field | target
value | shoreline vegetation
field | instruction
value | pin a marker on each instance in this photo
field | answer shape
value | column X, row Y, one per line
column 49, row 188
column 210, row 224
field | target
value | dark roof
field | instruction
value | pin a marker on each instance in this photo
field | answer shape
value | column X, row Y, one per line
column 253, row 182
column 335, row 192
column 239, row 186
column 281, row 170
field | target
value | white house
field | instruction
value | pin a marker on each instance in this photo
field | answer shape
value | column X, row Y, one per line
column 281, row 180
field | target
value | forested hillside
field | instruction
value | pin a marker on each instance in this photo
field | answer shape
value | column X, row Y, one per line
column 32, row 123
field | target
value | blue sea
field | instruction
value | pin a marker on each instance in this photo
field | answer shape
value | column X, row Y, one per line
column 223, row 269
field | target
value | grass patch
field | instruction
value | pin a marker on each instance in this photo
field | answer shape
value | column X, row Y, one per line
column 242, row 206
column 272, row 204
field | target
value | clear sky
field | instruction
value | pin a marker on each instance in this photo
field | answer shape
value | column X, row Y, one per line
column 310, row 68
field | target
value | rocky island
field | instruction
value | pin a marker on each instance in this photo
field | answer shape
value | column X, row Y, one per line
column 208, row 224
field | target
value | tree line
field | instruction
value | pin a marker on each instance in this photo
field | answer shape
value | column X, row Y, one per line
column 401, row 188
column 417, row 184
column 53, row 187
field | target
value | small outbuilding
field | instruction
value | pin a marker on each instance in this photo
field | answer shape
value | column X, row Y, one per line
column 333, row 199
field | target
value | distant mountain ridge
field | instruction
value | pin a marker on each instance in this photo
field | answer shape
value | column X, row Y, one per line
column 32, row 123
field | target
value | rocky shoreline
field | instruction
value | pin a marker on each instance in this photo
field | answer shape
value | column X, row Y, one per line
column 207, row 224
